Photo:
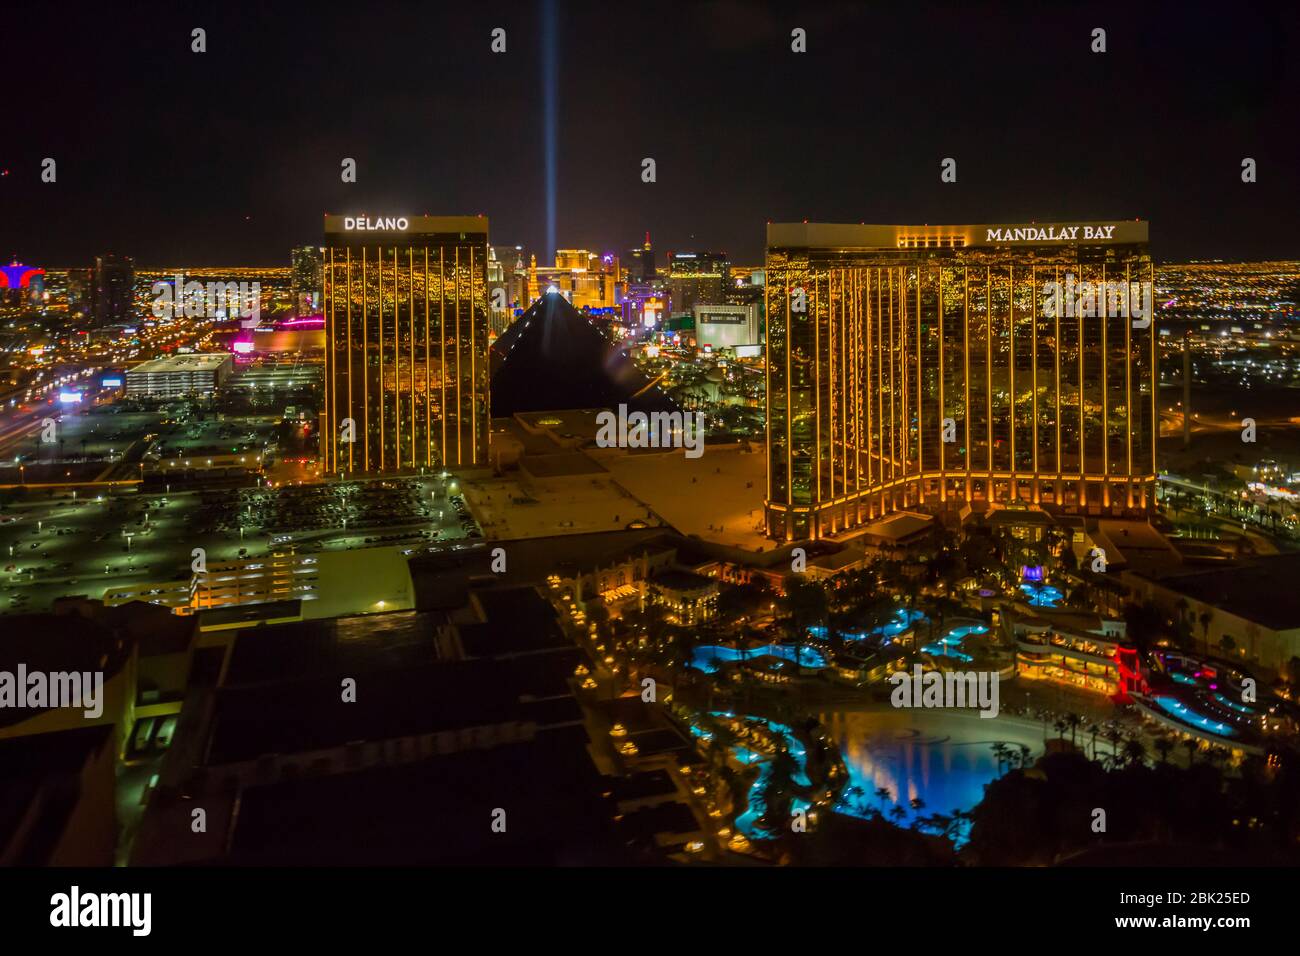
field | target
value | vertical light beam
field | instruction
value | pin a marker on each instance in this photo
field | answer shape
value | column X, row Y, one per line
column 550, row 93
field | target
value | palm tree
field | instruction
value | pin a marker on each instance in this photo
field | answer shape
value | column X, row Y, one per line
column 1000, row 752
column 1134, row 752
column 917, row 805
column 1217, row 755
column 1060, row 725
column 1191, row 746
column 955, row 820
column 854, row 796
column 1094, row 729
column 898, row 813
column 1182, row 632
column 883, row 794
column 1074, row 720
column 1163, row 747
column 1114, row 735
column 1207, row 616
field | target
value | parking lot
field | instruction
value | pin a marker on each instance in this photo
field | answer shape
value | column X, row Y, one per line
column 74, row 542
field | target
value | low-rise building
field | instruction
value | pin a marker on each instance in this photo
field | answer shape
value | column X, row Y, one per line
column 1247, row 611
column 174, row 376
column 1070, row 647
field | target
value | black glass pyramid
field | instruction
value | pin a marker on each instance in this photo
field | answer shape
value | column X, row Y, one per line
column 554, row 357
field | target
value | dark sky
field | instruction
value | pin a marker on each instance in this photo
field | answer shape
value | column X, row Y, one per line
column 231, row 157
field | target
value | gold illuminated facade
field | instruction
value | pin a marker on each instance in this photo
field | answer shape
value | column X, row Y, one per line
column 935, row 367
column 406, row 321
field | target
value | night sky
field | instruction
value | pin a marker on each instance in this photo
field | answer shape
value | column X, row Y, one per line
column 231, row 157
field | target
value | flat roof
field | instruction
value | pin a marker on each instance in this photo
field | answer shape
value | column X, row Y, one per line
column 41, row 787
column 1261, row 590
column 554, row 797
column 899, row 525
column 57, row 643
column 675, row 580
column 344, row 645
column 200, row 362
column 832, row 235
column 297, row 715
column 560, row 465
column 518, row 621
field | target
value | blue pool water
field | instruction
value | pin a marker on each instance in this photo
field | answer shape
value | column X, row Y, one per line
column 944, row 759
column 1171, row 705
column 1239, row 708
column 747, row 822
column 947, row 646
column 902, row 620
column 1041, row 595
column 941, row 649
column 708, row 657
column 1181, row 678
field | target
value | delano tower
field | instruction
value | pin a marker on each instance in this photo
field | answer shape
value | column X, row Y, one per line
column 405, row 302
column 935, row 367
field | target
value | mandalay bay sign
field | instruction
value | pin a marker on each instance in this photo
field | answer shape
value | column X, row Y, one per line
column 1050, row 233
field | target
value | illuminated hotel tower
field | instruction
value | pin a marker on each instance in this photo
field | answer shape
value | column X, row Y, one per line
column 928, row 367
column 406, row 310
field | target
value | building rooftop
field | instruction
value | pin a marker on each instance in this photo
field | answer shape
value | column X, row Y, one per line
column 439, row 811
column 40, row 788
column 881, row 237
column 360, row 227
column 200, row 362
column 57, row 642
column 560, row 465
column 297, row 715
column 1262, row 590
column 899, row 526
column 518, row 621
column 674, row 580
column 353, row 645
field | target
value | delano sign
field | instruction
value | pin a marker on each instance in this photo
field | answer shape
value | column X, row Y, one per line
column 365, row 224
column 450, row 226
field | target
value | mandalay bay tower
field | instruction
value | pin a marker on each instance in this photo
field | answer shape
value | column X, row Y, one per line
column 936, row 367
column 406, row 371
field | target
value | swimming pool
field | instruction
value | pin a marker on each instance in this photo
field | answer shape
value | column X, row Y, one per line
column 944, row 759
column 747, row 822
column 1041, row 595
column 947, row 646
column 1176, row 708
column 1232, row 704
column 709, row 657
column 902, row 620
column 943, row 649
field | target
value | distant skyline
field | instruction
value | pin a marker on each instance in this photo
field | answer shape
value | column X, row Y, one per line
column 231, row 157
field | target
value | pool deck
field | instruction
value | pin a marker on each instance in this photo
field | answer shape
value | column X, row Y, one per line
column 1155, row 713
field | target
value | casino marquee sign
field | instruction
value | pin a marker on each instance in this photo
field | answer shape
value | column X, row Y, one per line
column 354, row 229
column 1089, row 232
